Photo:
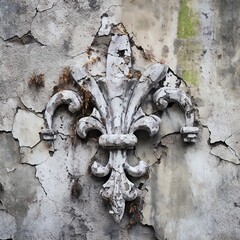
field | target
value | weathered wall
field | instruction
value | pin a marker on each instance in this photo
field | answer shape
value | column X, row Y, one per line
column 192, row 191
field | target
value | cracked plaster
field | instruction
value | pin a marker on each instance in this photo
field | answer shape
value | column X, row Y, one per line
column 18, row 187
column 197, row 187
column 192, row 192
column 73, row 38
column 16, row 17
column 225, row 153
column 23, row 132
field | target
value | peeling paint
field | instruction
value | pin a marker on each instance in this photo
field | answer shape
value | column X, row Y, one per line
column 23, row 124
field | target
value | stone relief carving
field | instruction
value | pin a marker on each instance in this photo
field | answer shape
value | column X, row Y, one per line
column 118, row 114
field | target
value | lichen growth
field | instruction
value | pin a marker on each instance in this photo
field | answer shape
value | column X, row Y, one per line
column 187, row 21
column 189, row 48
column 191, row 76
column 188, row 59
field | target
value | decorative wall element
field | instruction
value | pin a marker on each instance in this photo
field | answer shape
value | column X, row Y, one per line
column 118, row 114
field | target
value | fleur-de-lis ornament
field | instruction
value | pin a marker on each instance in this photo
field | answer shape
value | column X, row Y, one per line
column 117, row 114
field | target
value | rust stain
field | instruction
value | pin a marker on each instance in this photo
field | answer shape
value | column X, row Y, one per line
column 37, row 80
column 134, row 211
column 66, row 82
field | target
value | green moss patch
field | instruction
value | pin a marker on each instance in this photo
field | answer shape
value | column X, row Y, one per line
column 187, row 20
column 188, row 60
column 191, row 76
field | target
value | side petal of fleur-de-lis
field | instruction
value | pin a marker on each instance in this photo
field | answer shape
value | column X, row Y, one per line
column 165, row 95
column 68, row 97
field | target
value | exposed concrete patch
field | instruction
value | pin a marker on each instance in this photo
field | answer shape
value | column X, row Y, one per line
column 8, row 225
column 18, row 187
column 20, row 191
column 43, row 221
column 8, row 109
column 171, row 185
column 26, row 128
column 16, row 17
column 9, row 152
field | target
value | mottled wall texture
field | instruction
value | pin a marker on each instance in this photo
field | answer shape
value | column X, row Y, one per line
column 192, row 192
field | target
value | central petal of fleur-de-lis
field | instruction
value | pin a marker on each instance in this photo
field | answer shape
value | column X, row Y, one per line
column 118, row 114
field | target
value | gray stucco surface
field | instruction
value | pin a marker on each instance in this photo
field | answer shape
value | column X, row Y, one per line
column 191, row 191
